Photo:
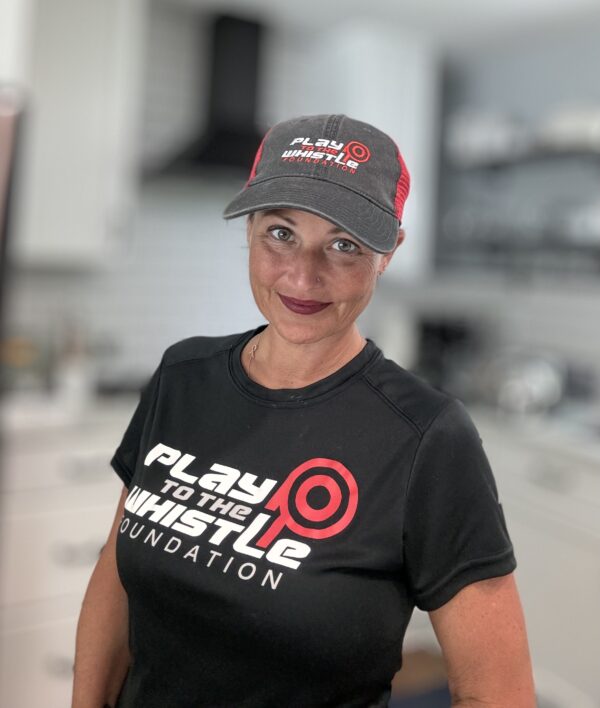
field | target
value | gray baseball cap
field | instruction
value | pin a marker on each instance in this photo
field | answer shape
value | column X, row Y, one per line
column 341, row 169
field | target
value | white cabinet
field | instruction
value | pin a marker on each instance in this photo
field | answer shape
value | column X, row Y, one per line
column 37, row 655
column 15, row 35
column 551, row 500
column 550, row 492
column 51, row 540
column 76, row 178
column 58, row 501
column 560, row 587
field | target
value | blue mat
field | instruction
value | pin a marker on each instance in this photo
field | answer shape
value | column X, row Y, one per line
column 440, row 698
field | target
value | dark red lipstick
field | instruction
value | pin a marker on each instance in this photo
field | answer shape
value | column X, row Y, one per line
column 303, row 307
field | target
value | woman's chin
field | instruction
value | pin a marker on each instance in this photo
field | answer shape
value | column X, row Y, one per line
column 302, row 329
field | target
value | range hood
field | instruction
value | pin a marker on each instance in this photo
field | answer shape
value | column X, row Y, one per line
column 230, row 136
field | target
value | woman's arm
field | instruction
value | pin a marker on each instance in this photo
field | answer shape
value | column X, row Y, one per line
column 481, row 631
column 101, row 646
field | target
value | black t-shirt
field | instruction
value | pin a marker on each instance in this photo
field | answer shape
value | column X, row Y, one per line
column 275, row 542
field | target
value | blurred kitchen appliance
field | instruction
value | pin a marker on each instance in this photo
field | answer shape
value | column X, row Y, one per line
column 523, row 381
column 231, row 136
column 448, row 351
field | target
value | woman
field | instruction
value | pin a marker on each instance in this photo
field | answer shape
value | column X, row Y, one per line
column 290, row 495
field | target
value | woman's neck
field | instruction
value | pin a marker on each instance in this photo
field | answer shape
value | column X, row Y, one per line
column 274, row 362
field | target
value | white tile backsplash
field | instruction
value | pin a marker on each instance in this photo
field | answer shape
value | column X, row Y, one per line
column 182, row 272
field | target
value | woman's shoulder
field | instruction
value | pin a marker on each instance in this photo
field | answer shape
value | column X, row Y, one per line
column 411, row 396
column 200, row 347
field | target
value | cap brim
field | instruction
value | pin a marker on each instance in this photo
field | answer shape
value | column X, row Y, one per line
column 351, row 212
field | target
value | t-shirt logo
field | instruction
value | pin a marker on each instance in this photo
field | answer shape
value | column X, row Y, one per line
column 231, row 509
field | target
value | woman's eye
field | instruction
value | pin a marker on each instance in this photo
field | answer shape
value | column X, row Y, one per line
column 280, row 233
column 345, row 246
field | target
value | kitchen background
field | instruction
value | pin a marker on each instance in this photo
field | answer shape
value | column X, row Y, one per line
column 135, row 123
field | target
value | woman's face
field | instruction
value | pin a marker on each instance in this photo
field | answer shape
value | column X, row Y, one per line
column 309, row 278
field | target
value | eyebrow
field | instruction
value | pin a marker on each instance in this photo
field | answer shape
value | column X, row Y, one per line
column 278, row 213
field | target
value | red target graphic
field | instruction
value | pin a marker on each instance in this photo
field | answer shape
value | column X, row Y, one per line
column 358, row 151
column 295, row 509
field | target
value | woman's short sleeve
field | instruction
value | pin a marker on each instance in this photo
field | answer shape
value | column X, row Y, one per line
column 454, row 529
column 125, row 457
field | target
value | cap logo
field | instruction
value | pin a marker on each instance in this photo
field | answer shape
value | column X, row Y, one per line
column 331, row 153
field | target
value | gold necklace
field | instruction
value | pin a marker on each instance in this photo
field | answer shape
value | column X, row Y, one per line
column 253, row 352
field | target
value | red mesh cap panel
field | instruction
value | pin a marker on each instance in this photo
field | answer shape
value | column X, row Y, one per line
column 402, row 186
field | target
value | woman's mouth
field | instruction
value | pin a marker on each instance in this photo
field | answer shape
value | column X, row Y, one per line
column 303, row 307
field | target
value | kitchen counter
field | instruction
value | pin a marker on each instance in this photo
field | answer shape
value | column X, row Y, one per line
column 565, row 434
column 35, row 416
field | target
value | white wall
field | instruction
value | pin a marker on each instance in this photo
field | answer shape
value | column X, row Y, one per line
column 374, row 72
column 15, row 35
column 175, row 80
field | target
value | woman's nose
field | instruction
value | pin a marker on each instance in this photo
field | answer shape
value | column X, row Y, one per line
column 306, row 269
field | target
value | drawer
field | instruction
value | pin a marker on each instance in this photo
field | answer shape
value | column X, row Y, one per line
column 559, row 583
column 80, row 461
column 36, row 659
column 62, row 497
column 51, row 552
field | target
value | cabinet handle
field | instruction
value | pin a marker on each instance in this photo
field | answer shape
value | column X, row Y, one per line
column 59, row 666
column 555, row 478
column 86, row 470
column 73, row 554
